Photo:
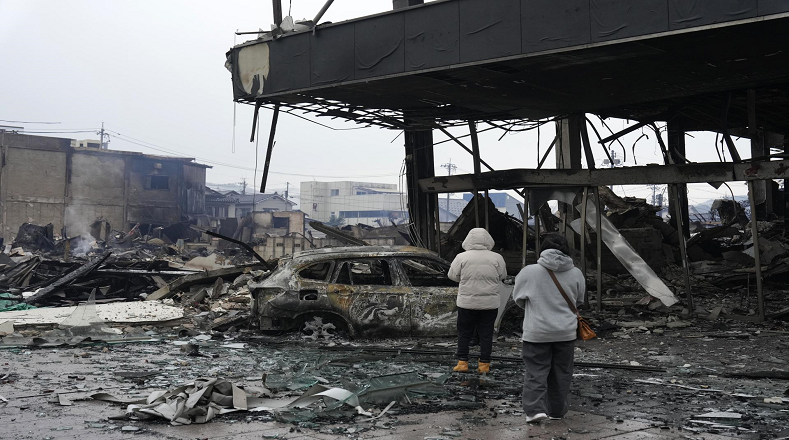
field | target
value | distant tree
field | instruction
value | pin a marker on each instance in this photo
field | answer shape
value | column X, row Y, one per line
column 336, row 221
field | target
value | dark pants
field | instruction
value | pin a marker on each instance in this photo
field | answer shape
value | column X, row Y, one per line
column 482, row 321
column 549, row 373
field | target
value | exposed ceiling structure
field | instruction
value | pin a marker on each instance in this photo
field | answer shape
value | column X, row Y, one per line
column 450, row 61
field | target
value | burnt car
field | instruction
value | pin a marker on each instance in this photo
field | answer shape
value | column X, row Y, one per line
column 366, row 291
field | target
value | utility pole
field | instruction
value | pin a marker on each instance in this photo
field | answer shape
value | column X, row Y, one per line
column 287, row 189
column 450, row 167
column 103, row 145
column 243, row 184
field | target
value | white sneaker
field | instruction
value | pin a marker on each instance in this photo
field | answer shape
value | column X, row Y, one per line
column 536, row 418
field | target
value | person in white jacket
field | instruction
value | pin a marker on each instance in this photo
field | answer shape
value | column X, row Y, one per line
column 549, row 328
column 479, row 272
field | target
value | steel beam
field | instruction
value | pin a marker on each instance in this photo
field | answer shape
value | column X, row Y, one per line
column 756, row 255
column 668, row 174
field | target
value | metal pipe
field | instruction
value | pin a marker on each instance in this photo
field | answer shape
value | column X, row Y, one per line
column 525, row 217
column 487, row 220
column 537, row 233
column 320, row 13
column 683, row 251
column 599, row 246
column 481, row 161
column 438, row 225
column 472, row 127
column 277, row 8
column 550, row 147
column 583, row 240
column 756, row 257
column 270, row 147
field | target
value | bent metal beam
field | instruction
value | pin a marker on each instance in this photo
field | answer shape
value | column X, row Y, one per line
column 679, row 173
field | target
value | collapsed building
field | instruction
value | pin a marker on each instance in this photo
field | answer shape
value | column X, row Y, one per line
column 514, row 66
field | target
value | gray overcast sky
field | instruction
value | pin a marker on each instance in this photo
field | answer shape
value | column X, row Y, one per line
column 153, row 71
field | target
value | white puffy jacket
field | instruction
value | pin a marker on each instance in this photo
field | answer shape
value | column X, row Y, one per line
column 479, row 272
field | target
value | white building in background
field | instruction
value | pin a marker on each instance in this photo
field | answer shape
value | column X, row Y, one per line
column 368, row 203
column 455, row 206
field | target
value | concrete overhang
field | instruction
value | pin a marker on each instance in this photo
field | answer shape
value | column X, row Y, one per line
column 455, row 60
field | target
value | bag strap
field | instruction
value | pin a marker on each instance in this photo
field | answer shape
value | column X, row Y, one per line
column 561, row 290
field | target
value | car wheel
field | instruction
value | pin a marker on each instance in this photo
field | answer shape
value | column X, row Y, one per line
column 323, row 327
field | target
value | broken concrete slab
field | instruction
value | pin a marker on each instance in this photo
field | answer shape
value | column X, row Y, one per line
column 130, row 313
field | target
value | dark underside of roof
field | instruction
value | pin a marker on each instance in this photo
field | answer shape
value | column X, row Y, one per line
column 646, row 69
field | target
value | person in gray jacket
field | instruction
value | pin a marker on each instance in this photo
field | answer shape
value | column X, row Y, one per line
column 549, row 328
column 479, row 272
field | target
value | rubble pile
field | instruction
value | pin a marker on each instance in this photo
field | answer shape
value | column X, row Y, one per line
column 43, row 270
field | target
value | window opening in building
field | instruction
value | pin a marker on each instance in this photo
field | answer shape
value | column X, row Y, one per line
column 160, row 182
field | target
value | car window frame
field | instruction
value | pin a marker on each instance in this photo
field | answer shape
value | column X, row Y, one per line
column 401, row 268
column 395, row 276
column 329, row 274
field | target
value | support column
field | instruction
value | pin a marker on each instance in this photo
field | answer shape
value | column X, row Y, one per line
column 419, row 164
column 568, row 156
column 676, row 150
column 762, row 189
column 421, row 206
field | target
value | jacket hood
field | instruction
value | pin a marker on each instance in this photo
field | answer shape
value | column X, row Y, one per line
column 555, row 260
column 478, row 239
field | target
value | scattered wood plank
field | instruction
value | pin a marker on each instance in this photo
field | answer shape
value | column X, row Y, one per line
column 198, row 278
column 68, row 278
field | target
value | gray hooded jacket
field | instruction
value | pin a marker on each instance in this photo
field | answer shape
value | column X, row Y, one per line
column 479, row 272
column 547, row 317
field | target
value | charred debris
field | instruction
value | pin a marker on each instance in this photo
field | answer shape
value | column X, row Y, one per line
column 172, row 264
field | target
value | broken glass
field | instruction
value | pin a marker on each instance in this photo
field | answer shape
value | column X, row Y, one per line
column 401, row 387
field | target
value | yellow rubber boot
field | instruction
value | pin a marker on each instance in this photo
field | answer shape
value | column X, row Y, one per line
column 461, row 367
column 484, row 367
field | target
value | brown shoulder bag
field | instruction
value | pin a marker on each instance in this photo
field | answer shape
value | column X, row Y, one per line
column 584, row 331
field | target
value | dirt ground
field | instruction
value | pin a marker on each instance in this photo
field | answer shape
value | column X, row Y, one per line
column 699, row 362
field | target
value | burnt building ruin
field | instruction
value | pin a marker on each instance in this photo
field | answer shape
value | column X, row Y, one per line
column 45, row 180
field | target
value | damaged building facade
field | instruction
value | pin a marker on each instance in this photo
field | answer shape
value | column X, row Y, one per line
column 46, row 180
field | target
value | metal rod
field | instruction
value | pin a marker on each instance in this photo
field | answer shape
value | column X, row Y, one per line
column 619, row 134
column 537, row 233
column 438, row 223
column 270, row 147
column 583, row 240
column 472, row 126
column 254, row 122
column 564, row 220
column 550, row 147
column 320, row 13
column 471, row 152
column 240, row 243
column 683, row 252
column 525, row 217
column 599, row 246
column 735, row 155
column 462, row 145
column 487, row 220
column 756, row 257
column 587, row 146
column 277, row 9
